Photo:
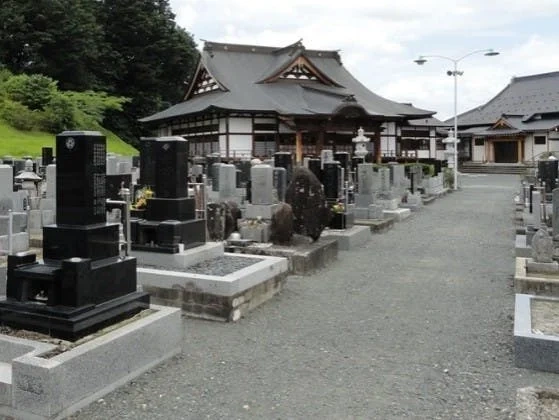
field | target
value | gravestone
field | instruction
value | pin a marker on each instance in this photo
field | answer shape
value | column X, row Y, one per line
column 344, row 159
column 542, row 247
column 262, row 181
column 537, row 209
column 46, row 156
column 6, row 180
column 284, row 160
column 331, row 181
column 305, row 195
column 315, row 166
column 214, row 175
column 244, row 166
column 326, row 156
column 548, row 172
column 227, row 182
column 368, row 185
column 51, row 181
column 280, row 182
column 83, row 283
column 169, row 222
column 147, row 161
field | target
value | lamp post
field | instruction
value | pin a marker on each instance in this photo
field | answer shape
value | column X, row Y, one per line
column 422, row 60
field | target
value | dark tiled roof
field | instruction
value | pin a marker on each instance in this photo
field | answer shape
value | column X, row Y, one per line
column 523, row 96
column 239, row 70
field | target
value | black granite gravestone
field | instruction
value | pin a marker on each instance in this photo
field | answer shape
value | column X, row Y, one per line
column 114, row 183
column 83, row 283
column 169, row 218
column 548, row 173
column 331, row 181
column 344, row 159
column 315, row 166
column 284, row 160
column 46, row 156
column 147, row 161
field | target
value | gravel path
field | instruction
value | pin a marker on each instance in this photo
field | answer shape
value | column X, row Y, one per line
column 417, row 324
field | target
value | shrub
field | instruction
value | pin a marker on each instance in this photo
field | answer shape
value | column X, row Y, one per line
column 34, row 91
column 18, row 115
column 59, row 115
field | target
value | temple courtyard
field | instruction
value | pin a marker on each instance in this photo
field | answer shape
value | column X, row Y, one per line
column 415, row 324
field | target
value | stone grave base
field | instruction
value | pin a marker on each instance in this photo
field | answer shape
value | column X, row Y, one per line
column 34, row 385
column 20, row 242
column 535, row 346
column 376, row 225
column 305, row 257
column 537, row 403
column 521, row 249
column 181, row 259
column 225, row 298
column 398, row 214
column 540, row 282
column 428, row 199
column 349, row 239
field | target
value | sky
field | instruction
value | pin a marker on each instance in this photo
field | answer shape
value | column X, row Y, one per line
column 379, row 40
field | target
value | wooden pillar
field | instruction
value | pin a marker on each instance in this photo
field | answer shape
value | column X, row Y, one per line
column 320, row 141
column 299, row 147
column 378, row 156
column 519, row 150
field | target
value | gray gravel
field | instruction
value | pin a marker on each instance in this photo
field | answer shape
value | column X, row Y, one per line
column 417, row 324
column 219, row 266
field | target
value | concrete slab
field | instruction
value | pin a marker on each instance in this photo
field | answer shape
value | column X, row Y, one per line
column 182, row 259
column 45, row 387
column 217, row 297
column 304, row 257
column 532, row 350
column 349, row 239
column 376, row 225
column 534, row 283
column 397, row 214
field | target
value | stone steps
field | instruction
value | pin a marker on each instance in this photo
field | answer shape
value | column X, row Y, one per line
column 488, row 168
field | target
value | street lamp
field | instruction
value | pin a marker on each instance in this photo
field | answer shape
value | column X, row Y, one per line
column 422, row 60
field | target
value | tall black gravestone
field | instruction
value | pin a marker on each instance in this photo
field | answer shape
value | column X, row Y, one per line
column 344, row 159
column 331, row 181
column 315, row 166
column 46, row 156
column 147, row 161
column 170, row 216
column 284, row 160
column 548, row 173
column 83, row 283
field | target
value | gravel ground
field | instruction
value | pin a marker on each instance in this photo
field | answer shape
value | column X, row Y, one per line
column 417, row 324
column 219, row 266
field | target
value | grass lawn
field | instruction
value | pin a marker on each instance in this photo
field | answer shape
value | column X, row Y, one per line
column 18, row 143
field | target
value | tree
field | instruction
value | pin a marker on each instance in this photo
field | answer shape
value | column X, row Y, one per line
column 58, row 38
column 150, row 58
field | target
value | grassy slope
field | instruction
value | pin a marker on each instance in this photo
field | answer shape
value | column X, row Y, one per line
column 21, row 143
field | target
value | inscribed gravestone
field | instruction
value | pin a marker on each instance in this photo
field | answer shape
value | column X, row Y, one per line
column 280, row 182
column 542, row 246
column 262, row 184
column 227, row 181
column 172, row 167
column 365, row 176
column 284, row 160
column 6, row 180
column 537, row 208
column 80, row 180
column 331, row 180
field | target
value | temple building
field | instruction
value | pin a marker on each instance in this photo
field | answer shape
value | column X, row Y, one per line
column 518, row 125
column 247, row 100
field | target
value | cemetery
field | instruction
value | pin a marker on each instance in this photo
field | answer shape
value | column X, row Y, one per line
column 127, row 245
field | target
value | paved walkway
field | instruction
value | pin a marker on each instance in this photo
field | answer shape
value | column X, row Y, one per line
column 417, row 324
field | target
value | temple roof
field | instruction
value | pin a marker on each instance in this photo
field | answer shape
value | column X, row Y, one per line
column 290, row 81
column 524, row 97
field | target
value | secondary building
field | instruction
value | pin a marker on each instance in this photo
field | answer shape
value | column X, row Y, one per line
column 520, row 124
column 249, row 100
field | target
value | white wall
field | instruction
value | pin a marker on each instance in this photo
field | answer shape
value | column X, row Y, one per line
column 240, row 125
column 240, row 145
column 478, row 152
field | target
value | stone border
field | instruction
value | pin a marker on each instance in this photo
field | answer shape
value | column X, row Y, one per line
column 59, row 386
column 182, row 259
column 532, row 284
column 377, row 225
column 521, row 248
column 225, row 298
column 304, row 259
column 533, row 351
column 349, row 239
